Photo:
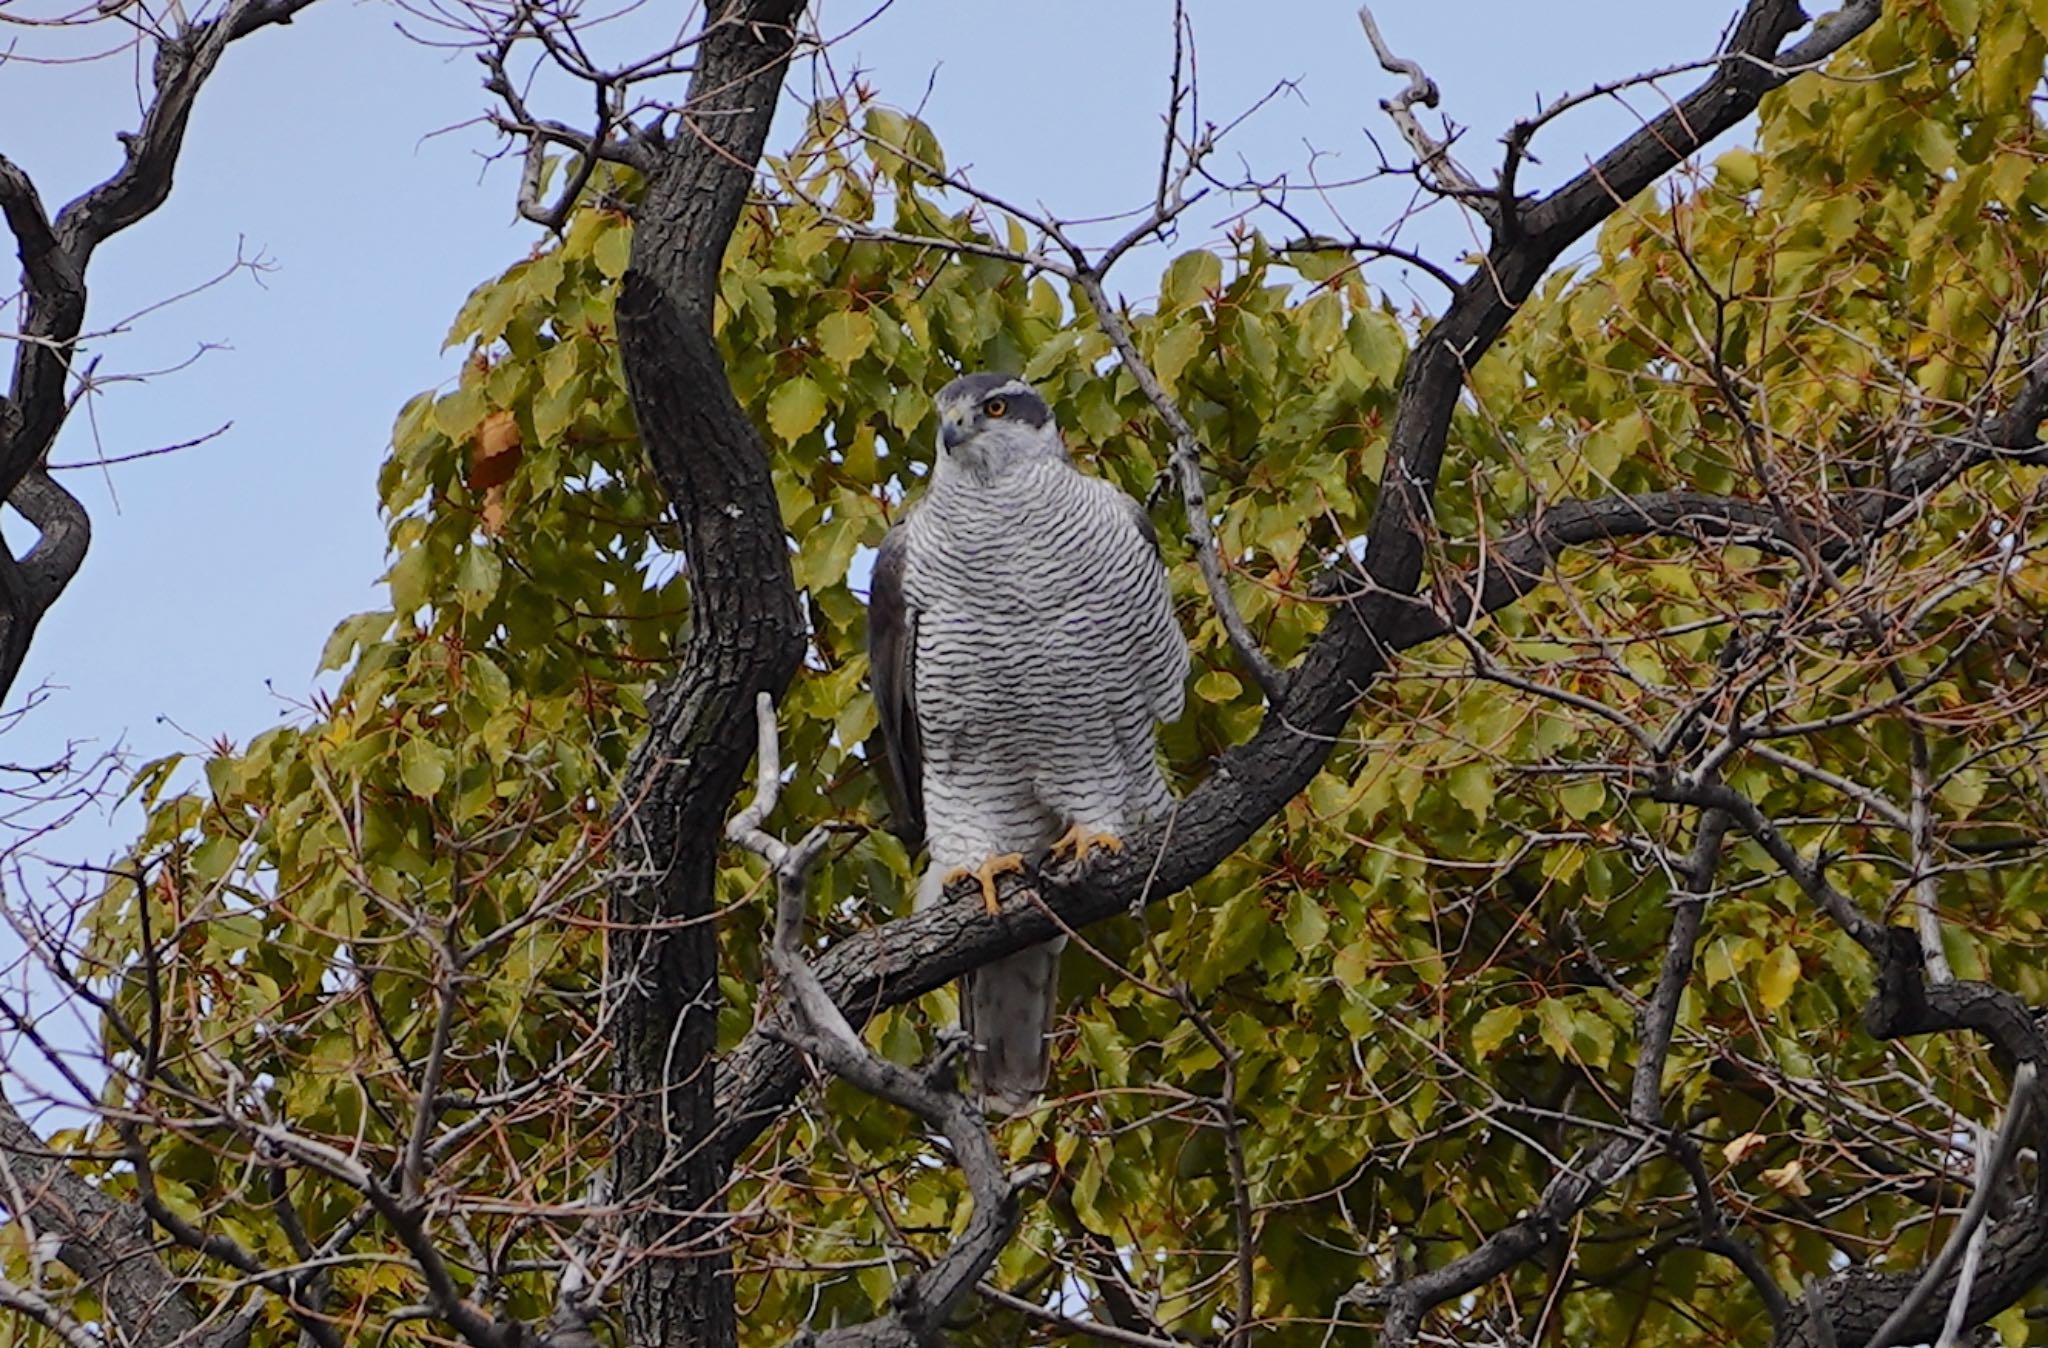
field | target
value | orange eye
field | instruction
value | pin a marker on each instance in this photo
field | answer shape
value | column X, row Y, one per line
column 995, row 407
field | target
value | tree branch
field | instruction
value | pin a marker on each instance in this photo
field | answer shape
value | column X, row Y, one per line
column 913, row 955
column 920, row 1303
column 54, row 256
column 1965, row 1231
column 1187, row 469
column 26, row 1301
column 1568, row 1192
column 105, row 1241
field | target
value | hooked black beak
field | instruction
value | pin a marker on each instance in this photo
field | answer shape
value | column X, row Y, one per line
column 951, row 433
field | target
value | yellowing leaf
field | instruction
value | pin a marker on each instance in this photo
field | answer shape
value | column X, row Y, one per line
column 1305, row 923
column 1725, row 956
column 1737, row 170
column 477, row 576
column 422, row 766
column 1176, row 347
column 1218, row 685
column 613, row 250
column 1777, row 977
column 1965, row 790
column 1352, row 963
column 1495, row 1028
column 1743, row 1146
column 494, row 452
column 1376, row 339
column 845, row 336
column 1613, row 443
column 796, row 408
column 1789, row 1178
column 1190, row 278
column 456, row 415
column 1583, row 799
column 1472, row 785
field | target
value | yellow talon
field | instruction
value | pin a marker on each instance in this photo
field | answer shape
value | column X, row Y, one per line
column 1077, row 842
column 1009, row 863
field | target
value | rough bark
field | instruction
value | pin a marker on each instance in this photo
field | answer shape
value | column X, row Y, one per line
column 745, row 637
column 108, row 1243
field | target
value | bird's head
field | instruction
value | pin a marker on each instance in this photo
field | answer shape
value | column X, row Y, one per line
column 990, row 423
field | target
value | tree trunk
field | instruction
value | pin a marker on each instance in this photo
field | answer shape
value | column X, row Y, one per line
column 745, row 635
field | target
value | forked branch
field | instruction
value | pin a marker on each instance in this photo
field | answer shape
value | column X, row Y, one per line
column 814, row 1025
column 55, row 254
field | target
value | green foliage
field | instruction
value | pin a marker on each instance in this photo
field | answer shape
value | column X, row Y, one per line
column 1392, row 963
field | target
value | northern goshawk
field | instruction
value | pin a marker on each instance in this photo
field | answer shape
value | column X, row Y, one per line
column 1023, row 645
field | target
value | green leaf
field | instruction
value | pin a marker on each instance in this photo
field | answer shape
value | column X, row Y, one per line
column 1306, row 925
column 1472, row 785
column 1725, row 956
column 457, row 415
column 796, row 408
column 1376, row 339
column 1965, row 790
column 423, row 766
column 1583, row 799
column 1103, row 1051
column 1611, row 445
column 1190, row 279
column 476, row 578
column 352, row 633
column 1177, row 346
column 1936, row 145
column 614, row 247
column 1737, row 171
column 1554, row 1025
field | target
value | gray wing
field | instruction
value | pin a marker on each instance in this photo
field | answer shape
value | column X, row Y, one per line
column 892, row 670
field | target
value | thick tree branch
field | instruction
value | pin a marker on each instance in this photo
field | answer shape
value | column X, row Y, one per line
column 917, row 954
column 105, row 1241
column 1855, row 1305
column 1966, row 1229
column 1430, row 386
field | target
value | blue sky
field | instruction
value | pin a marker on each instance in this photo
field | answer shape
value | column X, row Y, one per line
column 216, row 573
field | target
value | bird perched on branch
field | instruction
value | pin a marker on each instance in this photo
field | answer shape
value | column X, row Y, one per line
column 1023, row 645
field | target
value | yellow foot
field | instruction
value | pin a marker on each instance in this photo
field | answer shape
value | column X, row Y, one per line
column 1009, row 863
column 1077, row 842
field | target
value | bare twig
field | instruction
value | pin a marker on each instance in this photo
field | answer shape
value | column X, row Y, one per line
column 1187, row 470
column 1433, row 156
column 46, row 1313
column 2002, row 1149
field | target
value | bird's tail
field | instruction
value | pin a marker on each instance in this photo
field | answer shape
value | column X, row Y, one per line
column 1007, row 1010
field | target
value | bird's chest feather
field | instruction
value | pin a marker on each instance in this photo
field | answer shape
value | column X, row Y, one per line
column 1016, row 616
column 1009, row 563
